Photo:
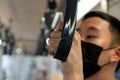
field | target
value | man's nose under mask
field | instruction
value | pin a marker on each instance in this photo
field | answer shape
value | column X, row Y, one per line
column 91, row 53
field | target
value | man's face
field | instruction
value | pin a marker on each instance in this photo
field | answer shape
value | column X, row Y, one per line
column 96, row 30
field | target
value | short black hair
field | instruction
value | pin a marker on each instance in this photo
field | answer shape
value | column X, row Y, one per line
column 112, row 20
column 114, row 23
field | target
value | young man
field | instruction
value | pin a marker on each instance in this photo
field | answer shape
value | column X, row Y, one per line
column 95, row 51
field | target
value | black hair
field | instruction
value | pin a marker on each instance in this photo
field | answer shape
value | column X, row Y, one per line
column 114, row 22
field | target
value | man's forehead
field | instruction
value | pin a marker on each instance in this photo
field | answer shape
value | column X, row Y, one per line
column 94, row 23
column 90, row 28
column 93, row 20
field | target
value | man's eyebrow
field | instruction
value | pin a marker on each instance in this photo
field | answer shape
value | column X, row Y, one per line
column 93, row 29
column 90, row 28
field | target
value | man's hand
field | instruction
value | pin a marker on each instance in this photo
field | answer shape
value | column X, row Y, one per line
column 73, row 68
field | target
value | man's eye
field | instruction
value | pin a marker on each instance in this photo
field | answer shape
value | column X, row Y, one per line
column 78, row 30
column 90, row 36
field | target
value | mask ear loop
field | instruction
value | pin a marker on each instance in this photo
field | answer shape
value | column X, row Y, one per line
column 110, row 48
column 107, row 50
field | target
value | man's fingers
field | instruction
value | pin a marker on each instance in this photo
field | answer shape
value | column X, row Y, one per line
column 55, row 34
column 59, row 27
column 77, row 36
column 53, row 45
column 53, row 42
column 53, row 50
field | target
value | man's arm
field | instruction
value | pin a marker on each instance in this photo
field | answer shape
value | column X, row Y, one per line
column 73, row 68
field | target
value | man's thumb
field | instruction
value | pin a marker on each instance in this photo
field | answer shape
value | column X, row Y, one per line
column 59, row 27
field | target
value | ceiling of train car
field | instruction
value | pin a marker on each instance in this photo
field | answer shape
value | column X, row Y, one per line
column 26, row 16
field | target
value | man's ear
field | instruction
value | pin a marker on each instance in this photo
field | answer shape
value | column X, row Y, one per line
column 116, row 56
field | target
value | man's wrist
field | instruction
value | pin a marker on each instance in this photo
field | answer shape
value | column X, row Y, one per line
column 73, row 75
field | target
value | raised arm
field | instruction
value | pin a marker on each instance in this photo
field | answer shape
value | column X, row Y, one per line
column 72, row 68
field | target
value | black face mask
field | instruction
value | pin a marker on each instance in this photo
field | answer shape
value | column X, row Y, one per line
column 90, row 54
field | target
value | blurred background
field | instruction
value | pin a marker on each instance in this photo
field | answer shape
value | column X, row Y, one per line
column 25, row 27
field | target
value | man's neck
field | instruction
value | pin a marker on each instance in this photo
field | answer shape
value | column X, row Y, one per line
column 106, row 73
